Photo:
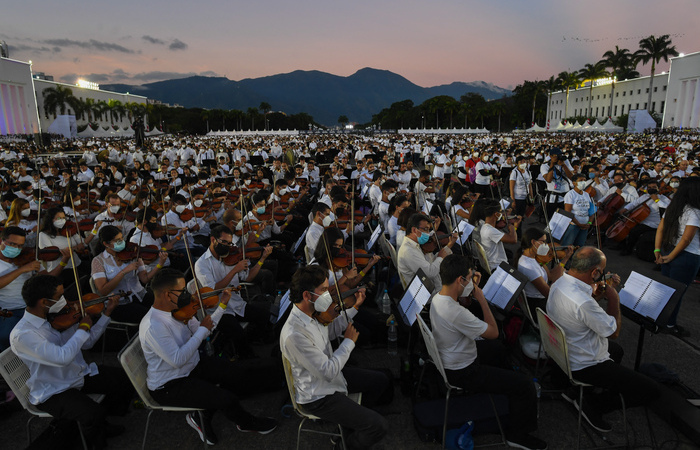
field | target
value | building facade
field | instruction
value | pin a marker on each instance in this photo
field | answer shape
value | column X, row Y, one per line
column 684, row 92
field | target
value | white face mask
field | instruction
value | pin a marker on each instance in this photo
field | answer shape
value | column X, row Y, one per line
column 59, row 223
column 581, row 185
column 390, row 196
column 198, row 203
column 322, row 302
column 239, row 226
column 543, row 249
column 146, row 202
column 26, row 212
column 76, row 203
column 58, row 306
column 522, row 166
column 99, row 185
column 179, row 209
column 466, row 292
column 247, row 182
column 114, row 209
column 326, row 222
column 674, row 184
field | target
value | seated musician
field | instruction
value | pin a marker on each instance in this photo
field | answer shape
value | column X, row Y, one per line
column 212, row 272
column 112, row 216
column 21, row 216
column 173, row 217
column 534, row 263
column 322, row 379
column 424, row 191
column 333, row 241
column 112, row 275
column 460, row 204
column 621, row 187
column 322, row 218
column 396, row 205
column 178, row 376
column 388, row 192
column 657, row 203
column 595, row 360
column 492, row 238
column 146, row 223
column 269, row 227
column 201, row 236
column 411, row 256
column 467, row 361
column 60, row 379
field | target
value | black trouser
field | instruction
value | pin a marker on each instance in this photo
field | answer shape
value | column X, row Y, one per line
column 131, row 312
column 634, row 235
column 552, row 206
column 368, row 426
column 637, row 389
column 199, row 389
column 484, row 190
column 230, row 326
column 75, row 404
column 478, row 378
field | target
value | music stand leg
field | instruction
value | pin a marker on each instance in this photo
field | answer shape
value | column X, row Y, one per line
column 640, row 347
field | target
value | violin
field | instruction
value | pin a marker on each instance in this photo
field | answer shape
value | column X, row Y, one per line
column 209, row 299
column 344, row 258
column 160, row 231
column 129, row 252
column 186, row 215
column 235, row 255
column 619, row 230
column 150, row 253
column 5, row 313
column 92, row 305
column 554, row 252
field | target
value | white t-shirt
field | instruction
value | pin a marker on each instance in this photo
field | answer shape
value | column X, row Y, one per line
column 483, row 179
column 690, row 217
column 532, row 270
column 580, row 203
column 455, row 328
column 491, row 241
column 522, row 183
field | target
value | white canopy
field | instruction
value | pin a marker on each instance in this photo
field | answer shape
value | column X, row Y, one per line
column 65, row 126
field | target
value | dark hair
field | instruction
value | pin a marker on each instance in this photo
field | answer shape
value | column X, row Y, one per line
column 688, row 193
column 328, row 238
column 319, row 207
column 165, row 279
column 47, row 221
column 389, row 184
column 395, row 202
column 9, row 231
column 218, row 230
column 107, row 234
column 453, row 267
column 530, row 234
column 405, row 215
column 478, row 212
column 306, row 279
column 38, row 287
column 415, row 220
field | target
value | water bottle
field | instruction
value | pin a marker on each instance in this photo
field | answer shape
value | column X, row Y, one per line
column 538, row 388
column 386, row 303
column 209, row 347
column 393, row 339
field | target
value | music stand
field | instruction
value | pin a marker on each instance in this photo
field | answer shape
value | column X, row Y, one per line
column 504, row 286
column 373, row 238
column 417, row 295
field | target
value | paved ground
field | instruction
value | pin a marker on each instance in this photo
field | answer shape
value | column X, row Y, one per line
column 557, row 421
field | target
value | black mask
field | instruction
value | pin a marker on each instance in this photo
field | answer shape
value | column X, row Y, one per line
column 339, row 211
column 184, row 299
column 335, row 251
column 151, row 226
column 221, row 249
column 652, row 191
column 619, row 185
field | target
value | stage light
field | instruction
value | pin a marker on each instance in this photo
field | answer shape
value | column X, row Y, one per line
column 87, row 84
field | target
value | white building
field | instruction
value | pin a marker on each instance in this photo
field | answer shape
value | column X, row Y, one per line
column 683, row 96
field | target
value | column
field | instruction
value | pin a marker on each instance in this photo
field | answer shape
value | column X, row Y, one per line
column 680, row 103
column 695, row 108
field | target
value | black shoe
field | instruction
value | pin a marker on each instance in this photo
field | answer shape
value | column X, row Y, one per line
column 525, row 441
column 677, row 331
column 193, row 421
column 260, row 425
column 113, row 430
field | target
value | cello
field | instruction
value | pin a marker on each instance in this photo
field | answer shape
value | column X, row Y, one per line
column 621, row 228
column 608, row 208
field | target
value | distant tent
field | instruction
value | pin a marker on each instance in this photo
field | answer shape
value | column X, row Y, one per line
column 535, row 129
column 65, row 126
column 87, row 132
column 610, row 127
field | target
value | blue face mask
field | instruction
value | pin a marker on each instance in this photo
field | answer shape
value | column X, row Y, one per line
column 260, row 210
column 423, row 238
column 119, row 246
column 11, row 252
column 591, row 175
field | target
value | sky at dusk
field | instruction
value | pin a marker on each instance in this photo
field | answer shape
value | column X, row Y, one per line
column 430, row 42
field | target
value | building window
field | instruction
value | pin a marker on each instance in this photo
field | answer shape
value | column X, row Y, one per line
column 617, row 94
column 604, row 96
column 645, row 105
column 631, row 92
column 646, row 91
column 596, row 111
column 653, row 106
column 624, row 93
column 637, row 107
column 599, row 97
column 656, row 88
column 622, row 111
column 663, row 103
column 616, row 110
column 639, row 91
column 664, row 87
column 629, row 108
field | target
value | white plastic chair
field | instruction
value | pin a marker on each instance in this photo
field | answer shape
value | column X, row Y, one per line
column 553, row 340
column 306, row 416
column 113, row 324
column 134, row 363
column 16, row 374
column 434, row 353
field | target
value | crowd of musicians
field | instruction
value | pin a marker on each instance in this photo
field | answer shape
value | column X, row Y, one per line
column 101, row 231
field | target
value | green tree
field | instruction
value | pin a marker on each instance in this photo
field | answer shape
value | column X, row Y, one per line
column 115, row 109
column 252, row 112
column 472, row 104
column 57, row 98
column 343, row 120
column 592, row 72
column 568, row 80
column 617, row 61
column 497, row 108
column 654, row 49
column 551, row 85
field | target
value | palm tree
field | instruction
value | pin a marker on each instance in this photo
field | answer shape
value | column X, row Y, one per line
column 568, row 80
column 116, row 110
column 617, row 61
column 654, row 49
column 451, row 106
column 592, row 72
column 498, row 108
column 252, row 112
column 57, row 98
column 90, row 108
column 551, row 85
column 101, row 109
column 343, row 120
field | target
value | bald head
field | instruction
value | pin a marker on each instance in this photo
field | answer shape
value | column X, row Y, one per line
column 586, row 259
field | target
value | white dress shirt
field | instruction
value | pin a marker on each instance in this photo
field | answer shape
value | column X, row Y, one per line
column 411, row 258
column 54, row 358
column 211, row 270
column 11, row 295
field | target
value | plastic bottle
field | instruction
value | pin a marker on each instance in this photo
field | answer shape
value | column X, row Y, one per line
column 538, row 388
column 386, row 303
column 393, row 339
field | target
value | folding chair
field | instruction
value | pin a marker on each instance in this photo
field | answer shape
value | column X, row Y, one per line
column 480, row 255
column 134, row 363
column 434, row 353
column 306, row 416
column 553, row 339
column 16, row 374
column 113, row 325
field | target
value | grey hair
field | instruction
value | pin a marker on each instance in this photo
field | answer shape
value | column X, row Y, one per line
column 586, row 259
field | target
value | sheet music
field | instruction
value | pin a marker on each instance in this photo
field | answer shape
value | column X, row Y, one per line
column 298, row 242
column 464, row 229
column 413, row 301
column 558, row 224
column 284, row 304
column 504, row 204
column 645, row 296
column 501, row 288
column 427, row 207
column 373, row 239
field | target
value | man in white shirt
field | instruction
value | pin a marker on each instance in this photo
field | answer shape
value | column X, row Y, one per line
column 60, row 378
column 321, row 378
column 322, row 217
column 178, row 376
column 573, row 304
column 456, row 329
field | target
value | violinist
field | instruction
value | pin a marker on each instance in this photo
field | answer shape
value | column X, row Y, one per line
column 140, row 202
column 113, row 216
column 178, row 205
column 599, row 184
column 22, row 216
column 396, row 205
column 346, row 277
column 424, row 189
column 411, row 256
column 657, row 203
column 323, row 218
column 39, row 183
column 269, row 227
column 534, row 248
column 111, row 274
column 312, row 174
column 53, row 234
column 60, row 378
column 322, row 377
column 5, row 205
column 492, row 239
column 461, row 204
column 146, row 223
column 578, row 202
column 621, row 187
column 129, row 190
column 201, row 236
column 388, row 192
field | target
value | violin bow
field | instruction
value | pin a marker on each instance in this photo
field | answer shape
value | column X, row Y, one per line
column 75, row 216
column 75, row 274
column 335, row 278
column 194, row 274
column 549, row 235
column 352, row 221
column 38, row 224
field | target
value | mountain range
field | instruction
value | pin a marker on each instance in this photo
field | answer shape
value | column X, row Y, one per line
column 322, row 95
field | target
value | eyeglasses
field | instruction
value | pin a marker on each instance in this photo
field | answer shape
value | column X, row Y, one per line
column 226, row 243
column 12, row 244
column 426, row 229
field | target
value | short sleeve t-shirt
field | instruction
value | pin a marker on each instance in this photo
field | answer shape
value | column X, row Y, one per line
column 455, row 328
column 522, row 183
column 491, row 241
column 532, row 270
column 580, row 203
column 690, row 217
